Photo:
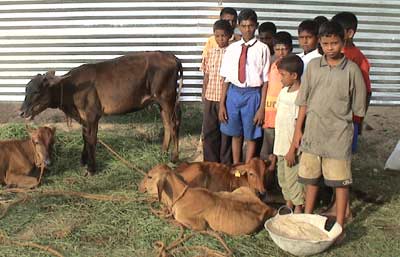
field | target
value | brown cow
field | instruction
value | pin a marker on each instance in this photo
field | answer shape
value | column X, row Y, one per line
column 121, row 85
column 20, row 158
column 234, row 213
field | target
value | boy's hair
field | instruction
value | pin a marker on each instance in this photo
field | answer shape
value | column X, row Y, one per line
column 331, row 28
column 228, row 10
column 292, row 64
column 247, row 14
column 267, row 27
column 309, row 26
column 284, row 38
column 347, row 19
column 320, row 20
column 223, row 25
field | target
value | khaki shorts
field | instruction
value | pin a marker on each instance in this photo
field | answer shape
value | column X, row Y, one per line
column 336, row 173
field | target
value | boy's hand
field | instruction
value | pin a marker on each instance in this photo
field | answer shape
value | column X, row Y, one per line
column 297, row 138
column 290, row 158
column 259, row 118
column 222, row 115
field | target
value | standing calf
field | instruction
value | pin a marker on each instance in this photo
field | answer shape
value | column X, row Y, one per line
column 20, row 158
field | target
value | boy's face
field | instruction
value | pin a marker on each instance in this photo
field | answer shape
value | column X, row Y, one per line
column 229, row 18
column 307, row 41
column 281, row 50
column 248, row 29
column 221, row 37
column 266, row 38
column 332, row 46
column 288, row 78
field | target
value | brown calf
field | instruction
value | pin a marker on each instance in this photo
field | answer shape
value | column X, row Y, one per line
column 234, row 213
column 19, row 158
column 219, row 177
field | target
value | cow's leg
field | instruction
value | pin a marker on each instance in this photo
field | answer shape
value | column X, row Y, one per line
column 90, row 139
column 84, row 154
column 166, row 120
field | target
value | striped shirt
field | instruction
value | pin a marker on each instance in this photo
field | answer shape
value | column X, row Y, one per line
column 211, row 65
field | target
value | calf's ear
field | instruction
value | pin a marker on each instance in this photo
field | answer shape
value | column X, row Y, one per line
column 160, row 186
column 238, row 171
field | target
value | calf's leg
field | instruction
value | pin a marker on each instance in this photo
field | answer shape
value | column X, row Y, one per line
column 21, row 181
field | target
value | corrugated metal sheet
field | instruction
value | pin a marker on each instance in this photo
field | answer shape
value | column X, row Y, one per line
column 36, row 36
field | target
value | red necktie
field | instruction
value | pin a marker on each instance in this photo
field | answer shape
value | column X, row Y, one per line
column 242, row 63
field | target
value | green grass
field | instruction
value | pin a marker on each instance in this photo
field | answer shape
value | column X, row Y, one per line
column 81, row 227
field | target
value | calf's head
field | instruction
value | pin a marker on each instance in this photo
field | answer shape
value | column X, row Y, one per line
column 38, row 95
column 149, row 182
column 255, row 171
column 42, row 140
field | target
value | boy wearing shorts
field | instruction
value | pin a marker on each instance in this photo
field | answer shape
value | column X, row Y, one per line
column 245, row 68
column 332, row 90
column 291, row 69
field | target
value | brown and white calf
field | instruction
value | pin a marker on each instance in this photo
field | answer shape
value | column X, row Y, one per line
column 19, row 159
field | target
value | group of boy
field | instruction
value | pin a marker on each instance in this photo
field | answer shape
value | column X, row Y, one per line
column 305, row 103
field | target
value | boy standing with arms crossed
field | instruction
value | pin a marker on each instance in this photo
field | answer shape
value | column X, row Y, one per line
column 245, row 68
column 216, row 146
column 332, row 90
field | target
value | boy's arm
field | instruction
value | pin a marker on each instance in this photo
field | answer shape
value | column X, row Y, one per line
column 298, row 131
column 259, row 117
column 205, row 84
column 359, row 93
column 222, row 114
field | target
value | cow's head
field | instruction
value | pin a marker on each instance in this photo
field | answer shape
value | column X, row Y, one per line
column 255, row 171
column 149, row 182
column 42, row 140
column 38, row 94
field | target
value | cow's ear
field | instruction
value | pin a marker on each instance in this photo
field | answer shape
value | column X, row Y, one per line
column 161, row 185
column 50, row 79
column 53, row 130
column 238, row 171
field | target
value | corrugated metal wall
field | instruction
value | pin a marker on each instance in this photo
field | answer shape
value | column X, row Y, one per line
column 36, row 36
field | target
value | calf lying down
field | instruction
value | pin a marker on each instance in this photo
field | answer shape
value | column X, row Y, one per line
column 214, row 176
column 20, row 158
column 235, row 213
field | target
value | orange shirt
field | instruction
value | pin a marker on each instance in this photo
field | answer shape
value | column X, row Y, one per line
column 274, row 87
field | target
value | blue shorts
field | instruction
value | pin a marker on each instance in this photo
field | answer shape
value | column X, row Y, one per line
column 355, row 137
column 241, row 107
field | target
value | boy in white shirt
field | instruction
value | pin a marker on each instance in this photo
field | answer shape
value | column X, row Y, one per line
column 291, row 68
column 245, row 67
column 308, row 41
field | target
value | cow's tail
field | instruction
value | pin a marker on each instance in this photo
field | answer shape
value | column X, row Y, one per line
column 180, row 77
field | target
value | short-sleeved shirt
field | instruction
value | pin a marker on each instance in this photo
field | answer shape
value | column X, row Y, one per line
column 274, row 87
column 306, row 58
column 212, row 43
column 257, row 63
column 285, row 122
column 331, row 95
column 211, row 65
